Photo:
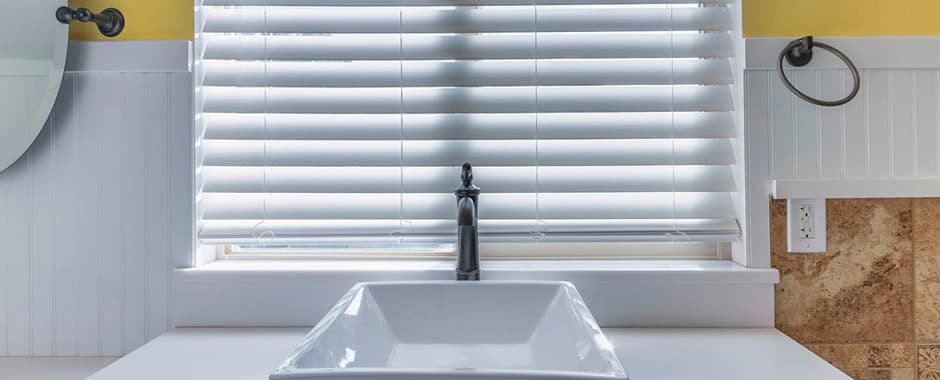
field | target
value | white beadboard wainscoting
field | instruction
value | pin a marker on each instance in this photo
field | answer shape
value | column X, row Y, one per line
column 90, row 214
column 885, row 143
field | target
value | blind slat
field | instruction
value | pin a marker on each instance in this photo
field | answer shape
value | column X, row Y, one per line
column 392, row 46
column 462, row 20
column 263, row 232
column 466, row 126
column 467, row 73
column 468, row 99
column 455, row 152
column 442, row 206
column 521, row 179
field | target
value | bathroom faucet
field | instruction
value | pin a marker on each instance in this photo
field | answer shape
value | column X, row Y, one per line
column 468, row 233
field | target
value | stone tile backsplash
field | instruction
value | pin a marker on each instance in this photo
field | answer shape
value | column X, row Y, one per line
column 927, row 270
column 870, row 304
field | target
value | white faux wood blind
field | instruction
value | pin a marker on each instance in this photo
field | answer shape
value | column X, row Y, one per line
column 343, row 121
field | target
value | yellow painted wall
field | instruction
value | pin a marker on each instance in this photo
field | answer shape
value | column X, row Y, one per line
column 146, row 19
column 792, row 18
column 173, row 19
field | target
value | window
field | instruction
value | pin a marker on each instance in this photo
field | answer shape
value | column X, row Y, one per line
column 342, row 124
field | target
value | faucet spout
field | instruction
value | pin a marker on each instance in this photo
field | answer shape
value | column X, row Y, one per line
column 468, row 234
column 468, row 241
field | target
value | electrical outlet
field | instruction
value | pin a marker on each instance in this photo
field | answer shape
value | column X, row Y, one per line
column 806, row 222
column 806, row 225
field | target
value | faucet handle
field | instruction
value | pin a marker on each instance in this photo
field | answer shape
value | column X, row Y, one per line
column 467, row 174
column 467, row 189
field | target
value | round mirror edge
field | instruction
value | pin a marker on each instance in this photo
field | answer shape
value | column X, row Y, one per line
column 17, row 148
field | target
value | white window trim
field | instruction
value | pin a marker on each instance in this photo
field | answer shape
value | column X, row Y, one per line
column 752, row 178
column 624, row 293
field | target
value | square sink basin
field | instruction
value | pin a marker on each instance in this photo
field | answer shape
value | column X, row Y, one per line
column 456, row 330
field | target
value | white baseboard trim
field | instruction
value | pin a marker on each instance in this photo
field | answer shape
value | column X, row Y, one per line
column 856, row 188
column 687, row 294
column 866, row 52
column 129, row 56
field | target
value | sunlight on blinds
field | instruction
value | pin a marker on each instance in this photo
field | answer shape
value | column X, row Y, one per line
column 326, row 121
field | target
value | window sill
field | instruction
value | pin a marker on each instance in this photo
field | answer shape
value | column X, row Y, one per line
column 619, row 293
column 645, row 271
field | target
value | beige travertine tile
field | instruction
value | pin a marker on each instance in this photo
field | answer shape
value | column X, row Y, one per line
column 859, row 290
column 882, row 374
column 866, row 356
column 927, row 268
column 891, row 355
column 928, row 362
column 842, row 356
column 903, row 374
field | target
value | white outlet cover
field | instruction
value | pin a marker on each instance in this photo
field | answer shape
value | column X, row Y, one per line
column 806, row 225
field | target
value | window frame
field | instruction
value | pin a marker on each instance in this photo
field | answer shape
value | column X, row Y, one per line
column 750, row 250
column 208, row 291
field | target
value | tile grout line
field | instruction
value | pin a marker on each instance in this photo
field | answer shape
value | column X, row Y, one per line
column 870, row 368
column 914, row 287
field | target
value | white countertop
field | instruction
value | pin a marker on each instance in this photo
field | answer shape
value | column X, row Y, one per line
column 647, row 354
column 35, row 368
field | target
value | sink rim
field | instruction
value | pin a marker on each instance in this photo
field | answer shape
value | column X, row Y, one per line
column 425, row 373
column 289, row 370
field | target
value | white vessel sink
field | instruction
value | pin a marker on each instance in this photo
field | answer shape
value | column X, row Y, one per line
column 456, row 330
